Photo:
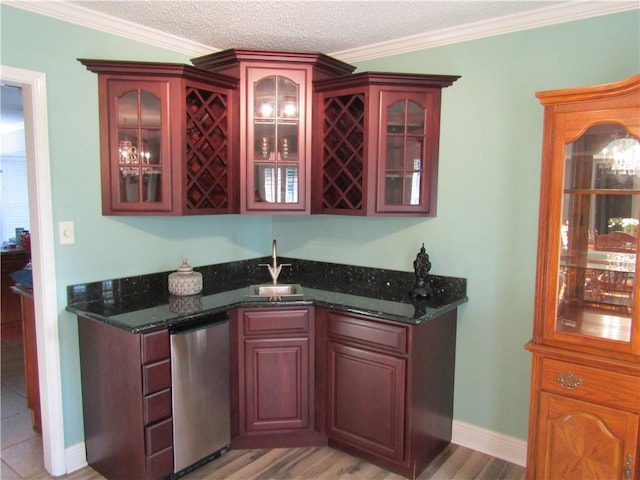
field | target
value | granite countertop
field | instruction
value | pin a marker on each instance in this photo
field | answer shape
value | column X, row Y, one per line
column 143, row 304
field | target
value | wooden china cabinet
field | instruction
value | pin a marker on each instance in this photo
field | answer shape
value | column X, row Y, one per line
column 585, row 391
column 377, row 144
column 275, row 123
column 166, row 139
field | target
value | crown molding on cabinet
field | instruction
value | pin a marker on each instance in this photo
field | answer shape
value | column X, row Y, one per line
column 507, row 24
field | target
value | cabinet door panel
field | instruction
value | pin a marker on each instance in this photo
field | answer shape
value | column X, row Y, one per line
column 276, row 383
column 582, row 440
column 136, row 166
column 366, row 400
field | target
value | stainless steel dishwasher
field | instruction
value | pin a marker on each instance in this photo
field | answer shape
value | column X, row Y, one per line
column 200, row 391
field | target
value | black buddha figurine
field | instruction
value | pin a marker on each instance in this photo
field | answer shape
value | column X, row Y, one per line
column 421, row 267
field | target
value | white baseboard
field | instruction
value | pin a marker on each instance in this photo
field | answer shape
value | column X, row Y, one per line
column 75, row 457
column 496, row 444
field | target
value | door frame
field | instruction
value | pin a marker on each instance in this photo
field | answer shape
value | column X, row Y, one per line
column 43, row 262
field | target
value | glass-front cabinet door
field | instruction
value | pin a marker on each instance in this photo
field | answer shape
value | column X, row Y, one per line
column 139, row 145
column 592, row 296
column 599, row 234
column 405, row 153
column 276, row 143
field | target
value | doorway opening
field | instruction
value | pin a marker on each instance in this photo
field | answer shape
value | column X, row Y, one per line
column 33, row 85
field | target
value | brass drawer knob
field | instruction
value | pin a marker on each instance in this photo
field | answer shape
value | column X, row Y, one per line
column 568, row 380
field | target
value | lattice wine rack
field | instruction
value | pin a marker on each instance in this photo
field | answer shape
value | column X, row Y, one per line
column 343, row 153
column 207, row 151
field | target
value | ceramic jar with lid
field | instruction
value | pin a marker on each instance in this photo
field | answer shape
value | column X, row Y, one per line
column 185, row 281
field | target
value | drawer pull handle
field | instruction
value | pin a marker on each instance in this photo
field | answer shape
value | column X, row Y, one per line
column 569, row 380
column 627, row 466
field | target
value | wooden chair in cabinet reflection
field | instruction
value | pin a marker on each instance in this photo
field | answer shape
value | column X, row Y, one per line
column 615, row 283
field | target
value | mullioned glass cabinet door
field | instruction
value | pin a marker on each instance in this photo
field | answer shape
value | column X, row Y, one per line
column 405, row 153
column 138, row 156
column 276, row 142
column 597, row 286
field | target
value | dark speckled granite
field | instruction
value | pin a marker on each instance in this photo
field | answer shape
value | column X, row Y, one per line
column 143, row 303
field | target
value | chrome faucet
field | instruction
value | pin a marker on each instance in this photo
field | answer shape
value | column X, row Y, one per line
column 274, row 268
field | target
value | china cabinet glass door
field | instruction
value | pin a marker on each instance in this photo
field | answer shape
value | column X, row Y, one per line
column 276, row 164
column 596, row 284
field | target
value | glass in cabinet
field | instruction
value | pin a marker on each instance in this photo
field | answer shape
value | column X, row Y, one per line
column 587, row 293
column 139, row 156
column 138, row 148
column 404, row 153
column 276, row 168
column 599, row 234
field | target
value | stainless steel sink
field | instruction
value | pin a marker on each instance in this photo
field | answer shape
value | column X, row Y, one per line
column 279, row 290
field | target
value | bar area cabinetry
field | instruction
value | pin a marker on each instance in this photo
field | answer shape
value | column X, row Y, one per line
column 378, row 139
column 166, row 143
column 276, row 91
column 585, row 408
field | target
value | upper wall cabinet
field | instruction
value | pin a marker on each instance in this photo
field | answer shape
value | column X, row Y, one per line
column 275, row 123
column 377, row 144
column 267, row 132
column 166, row 139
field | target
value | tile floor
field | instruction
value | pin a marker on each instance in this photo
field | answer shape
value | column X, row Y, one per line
column 21, row 446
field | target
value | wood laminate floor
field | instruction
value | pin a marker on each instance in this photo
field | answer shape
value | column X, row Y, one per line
column 324, row 463
column 22, row 451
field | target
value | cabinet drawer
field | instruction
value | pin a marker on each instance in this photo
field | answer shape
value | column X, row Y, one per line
column 160, row 464
column 155, row 346
column 391, row 338
column 266, row 321
column 157, row 406
column 159, row 436
column 591, row 384
column 156, row 377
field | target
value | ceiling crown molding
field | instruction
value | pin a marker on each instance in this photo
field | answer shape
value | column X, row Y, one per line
column 511, row 23
column 106, row 23
column 497, row 26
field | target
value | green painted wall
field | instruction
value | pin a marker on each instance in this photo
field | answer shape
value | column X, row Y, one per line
column 488, row 191
column 106, row 247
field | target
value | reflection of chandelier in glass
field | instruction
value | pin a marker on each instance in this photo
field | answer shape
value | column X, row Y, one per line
column 621, row 156
column 128, row 154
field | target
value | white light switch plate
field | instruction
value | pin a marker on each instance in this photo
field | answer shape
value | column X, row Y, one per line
column 67, row 233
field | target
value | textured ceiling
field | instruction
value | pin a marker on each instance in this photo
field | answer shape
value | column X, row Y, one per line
column 324, row 26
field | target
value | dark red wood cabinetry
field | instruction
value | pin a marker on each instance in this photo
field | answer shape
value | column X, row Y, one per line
column 167, row 140
column 389, row 388
column 377, row 139
column 10, row 322
column 275, row 123
column 275, row 380
column 267, row 132
column 126, row 398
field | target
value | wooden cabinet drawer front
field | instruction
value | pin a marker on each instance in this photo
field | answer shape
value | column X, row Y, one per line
column 159, row 436
column 157, row 406
column 155, row 346
column 391, row 338
column 156, row 377
column 160, row 464
column 287, row 322
column 591, row 384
